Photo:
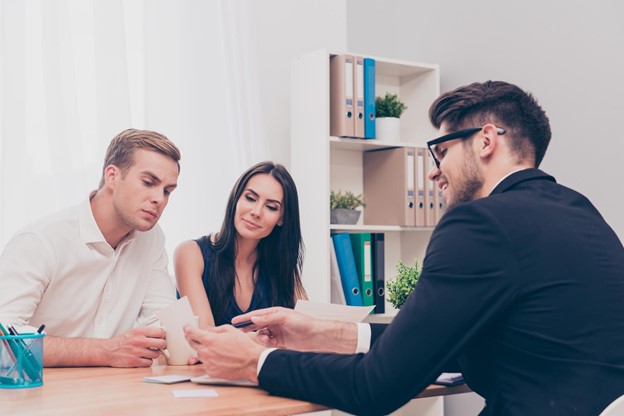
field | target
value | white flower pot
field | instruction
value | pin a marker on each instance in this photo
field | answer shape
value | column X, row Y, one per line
column 388, row 129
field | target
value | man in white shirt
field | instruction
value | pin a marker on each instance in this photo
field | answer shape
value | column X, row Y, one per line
column 96, row 274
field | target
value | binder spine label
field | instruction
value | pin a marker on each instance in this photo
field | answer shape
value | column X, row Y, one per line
column 410, row 180
column 348, row 77
column 359, row 97
column 368, row 261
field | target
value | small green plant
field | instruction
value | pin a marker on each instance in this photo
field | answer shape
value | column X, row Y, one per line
column 389, row 106
column 348, row 200
column 405, row 281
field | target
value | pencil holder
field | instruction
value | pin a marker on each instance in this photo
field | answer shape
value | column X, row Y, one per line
column 21, row 361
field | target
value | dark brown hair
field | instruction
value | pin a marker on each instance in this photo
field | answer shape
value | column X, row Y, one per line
column 502, row 104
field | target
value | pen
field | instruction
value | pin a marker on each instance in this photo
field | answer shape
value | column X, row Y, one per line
column 7, row 380
column 41, row 328
column 243, row 324
column 9, row 349
column 19, row 347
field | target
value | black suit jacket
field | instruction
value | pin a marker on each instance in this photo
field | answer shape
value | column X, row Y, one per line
column 524, row 288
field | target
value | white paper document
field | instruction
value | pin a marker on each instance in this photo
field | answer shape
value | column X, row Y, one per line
column 173, row 318
column 206, row 379
column 180, row 394
column 332, row 311
column 450, row 379
column 168, row 379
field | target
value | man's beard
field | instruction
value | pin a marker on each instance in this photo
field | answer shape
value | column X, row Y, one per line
column 472, row 182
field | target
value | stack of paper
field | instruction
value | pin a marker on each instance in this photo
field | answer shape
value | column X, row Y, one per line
column 332, row 311
column 450, row 379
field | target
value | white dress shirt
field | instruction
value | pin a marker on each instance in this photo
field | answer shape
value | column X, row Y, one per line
column 61, row 272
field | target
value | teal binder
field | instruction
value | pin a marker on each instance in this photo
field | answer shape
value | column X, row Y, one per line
column 346, row 266
column 363, row 256
column 369, row 98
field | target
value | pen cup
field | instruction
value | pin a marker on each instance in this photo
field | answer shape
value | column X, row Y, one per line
column 21, row 361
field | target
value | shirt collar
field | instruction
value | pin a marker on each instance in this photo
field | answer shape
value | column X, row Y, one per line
column 517, row 177
column 505, row 177
column 90, row 231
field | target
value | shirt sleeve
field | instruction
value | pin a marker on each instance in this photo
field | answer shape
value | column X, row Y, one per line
column 26, row 268
column 263, row 356
column 364, row 338
column 160, row 291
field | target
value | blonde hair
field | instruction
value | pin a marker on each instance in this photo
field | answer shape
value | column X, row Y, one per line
column 121, row 149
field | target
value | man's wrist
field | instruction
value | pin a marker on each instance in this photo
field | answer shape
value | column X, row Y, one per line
column 335, row 336
column 103, row 351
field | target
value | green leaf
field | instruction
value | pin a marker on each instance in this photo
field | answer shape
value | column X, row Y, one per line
column 403, row 284
column 348, row 200
column 389, row 106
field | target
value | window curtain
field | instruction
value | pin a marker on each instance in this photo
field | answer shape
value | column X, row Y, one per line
column 74, row 73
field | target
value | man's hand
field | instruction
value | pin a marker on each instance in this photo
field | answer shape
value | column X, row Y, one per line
column 285, row 328
column 135, row 348
column 225, row 352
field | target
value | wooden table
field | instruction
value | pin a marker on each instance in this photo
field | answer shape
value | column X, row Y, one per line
column 122, row 391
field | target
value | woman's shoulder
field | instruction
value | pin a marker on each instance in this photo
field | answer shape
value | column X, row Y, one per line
column 186, row 249
column 204, row 241
column 190, row 247
column 206, row 244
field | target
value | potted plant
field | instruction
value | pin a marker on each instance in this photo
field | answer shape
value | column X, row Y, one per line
column 389, row 109
column 405, row 281
column 343, row 207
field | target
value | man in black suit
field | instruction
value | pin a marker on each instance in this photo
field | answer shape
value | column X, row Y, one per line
column 522, row 286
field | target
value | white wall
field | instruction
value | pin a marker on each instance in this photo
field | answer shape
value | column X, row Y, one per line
column 284, row 29
column 568, row 54
column 276, row 31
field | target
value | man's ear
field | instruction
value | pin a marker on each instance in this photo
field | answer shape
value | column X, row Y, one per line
column 488, row 141
column 111, row 174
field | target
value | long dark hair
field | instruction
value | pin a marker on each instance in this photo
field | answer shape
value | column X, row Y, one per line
column 280, row 254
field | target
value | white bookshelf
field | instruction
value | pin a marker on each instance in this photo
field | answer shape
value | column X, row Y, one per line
column 321, row 163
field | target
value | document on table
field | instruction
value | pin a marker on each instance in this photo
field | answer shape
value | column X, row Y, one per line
column 332, row 311
column 181, row 394
column 206, row 379
column 168, row 379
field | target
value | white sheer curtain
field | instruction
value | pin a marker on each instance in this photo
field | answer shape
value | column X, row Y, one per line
column 74, row 73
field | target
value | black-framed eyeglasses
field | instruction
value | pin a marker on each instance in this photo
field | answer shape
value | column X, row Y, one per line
column 459, row 134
